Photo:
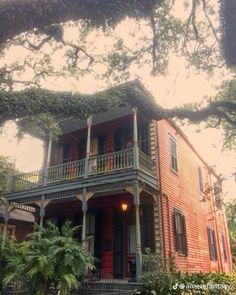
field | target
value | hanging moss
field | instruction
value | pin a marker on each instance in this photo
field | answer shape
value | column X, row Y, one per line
column 45, row 109
column 20, row 104
column 39, row 111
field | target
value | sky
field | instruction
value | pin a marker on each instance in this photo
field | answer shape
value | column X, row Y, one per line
column 180, row 85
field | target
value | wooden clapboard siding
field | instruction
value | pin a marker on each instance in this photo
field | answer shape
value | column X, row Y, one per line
column 181, row 190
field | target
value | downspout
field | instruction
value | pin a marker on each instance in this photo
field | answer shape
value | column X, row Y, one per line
column 229, row 255
column 214, row 220
column 161, row 193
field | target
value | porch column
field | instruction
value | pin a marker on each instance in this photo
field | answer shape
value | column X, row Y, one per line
column 42, row 205
column 42, row 211
column 135, row 139
column 89, row 124
column 84, row 210
column 48, row 159
column 6, row 219
column 136, row 194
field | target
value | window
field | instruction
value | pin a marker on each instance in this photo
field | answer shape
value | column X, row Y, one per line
column 180, row 232
column 101, row 144
column 223, row 247
column 90, row 232
column 82, row 148
column 123, row 138
column 143, row 137
column 147, row 227
column 200, row 179
column 212, row 243
column 173, row 154
column 65, row 152
column 132, row 239
column 56, row 155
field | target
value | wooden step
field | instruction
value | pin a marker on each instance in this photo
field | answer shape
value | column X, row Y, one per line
column 108, row 287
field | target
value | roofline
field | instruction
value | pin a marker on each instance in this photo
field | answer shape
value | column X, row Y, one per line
column 178, row 129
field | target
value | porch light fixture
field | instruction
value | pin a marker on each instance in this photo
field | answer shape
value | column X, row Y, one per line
column 124, row 207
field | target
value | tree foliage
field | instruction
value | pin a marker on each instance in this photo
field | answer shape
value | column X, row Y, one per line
column 40, row 28
column 231, row 218
column 6, row 169
column 157, row 33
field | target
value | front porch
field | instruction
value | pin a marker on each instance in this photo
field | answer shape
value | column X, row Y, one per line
column 110, row 230
column 93, row 188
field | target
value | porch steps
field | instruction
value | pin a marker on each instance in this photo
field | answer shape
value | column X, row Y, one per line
column 108, row 287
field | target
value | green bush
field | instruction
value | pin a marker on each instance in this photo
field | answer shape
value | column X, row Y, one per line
column 161, row 278
column 11, row 248
column 49, row 257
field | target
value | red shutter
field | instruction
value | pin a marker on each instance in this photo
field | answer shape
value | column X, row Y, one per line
column 175, row 218
column 214, row 245
column 185, row 244
column 209, row 242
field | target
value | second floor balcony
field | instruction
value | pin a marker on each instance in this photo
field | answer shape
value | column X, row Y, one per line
column 106, row 164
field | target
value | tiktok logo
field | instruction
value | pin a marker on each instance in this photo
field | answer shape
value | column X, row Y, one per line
column 175, row 287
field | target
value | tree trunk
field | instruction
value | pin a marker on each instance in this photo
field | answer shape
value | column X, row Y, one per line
column 19, row 16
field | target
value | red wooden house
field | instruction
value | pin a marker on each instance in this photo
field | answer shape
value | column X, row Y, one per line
column 132, row 182
column 21, row 221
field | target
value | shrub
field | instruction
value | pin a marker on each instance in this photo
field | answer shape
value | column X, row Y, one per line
column 161, row 278
column 49, row 257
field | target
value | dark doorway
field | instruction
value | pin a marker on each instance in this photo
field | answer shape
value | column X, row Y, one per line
column 147, row 227
column 92, row 231
column 119, row 249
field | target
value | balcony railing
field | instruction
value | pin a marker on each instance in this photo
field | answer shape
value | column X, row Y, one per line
column 145, row 162
column 111, row 162
column 106, row 163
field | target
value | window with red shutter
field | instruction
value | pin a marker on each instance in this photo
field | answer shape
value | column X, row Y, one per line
column 223, row 247
column 173, row 154
column 212, row 243
column 180, row 232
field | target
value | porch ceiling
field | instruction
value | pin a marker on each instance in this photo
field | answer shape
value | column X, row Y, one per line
column 112, row 114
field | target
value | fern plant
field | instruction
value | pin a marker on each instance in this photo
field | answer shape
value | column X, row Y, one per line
column 50, row 257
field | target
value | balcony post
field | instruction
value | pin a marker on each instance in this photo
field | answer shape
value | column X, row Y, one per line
column 84, row 210
column 136, row 195
column 135, row 139
column 89, row 124
column 42, row 211
column 48, row 159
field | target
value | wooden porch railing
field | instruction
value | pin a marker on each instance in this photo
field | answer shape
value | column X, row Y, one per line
column 62, row 172
column 145, row 162
column 96, row 165
column 111, row 162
